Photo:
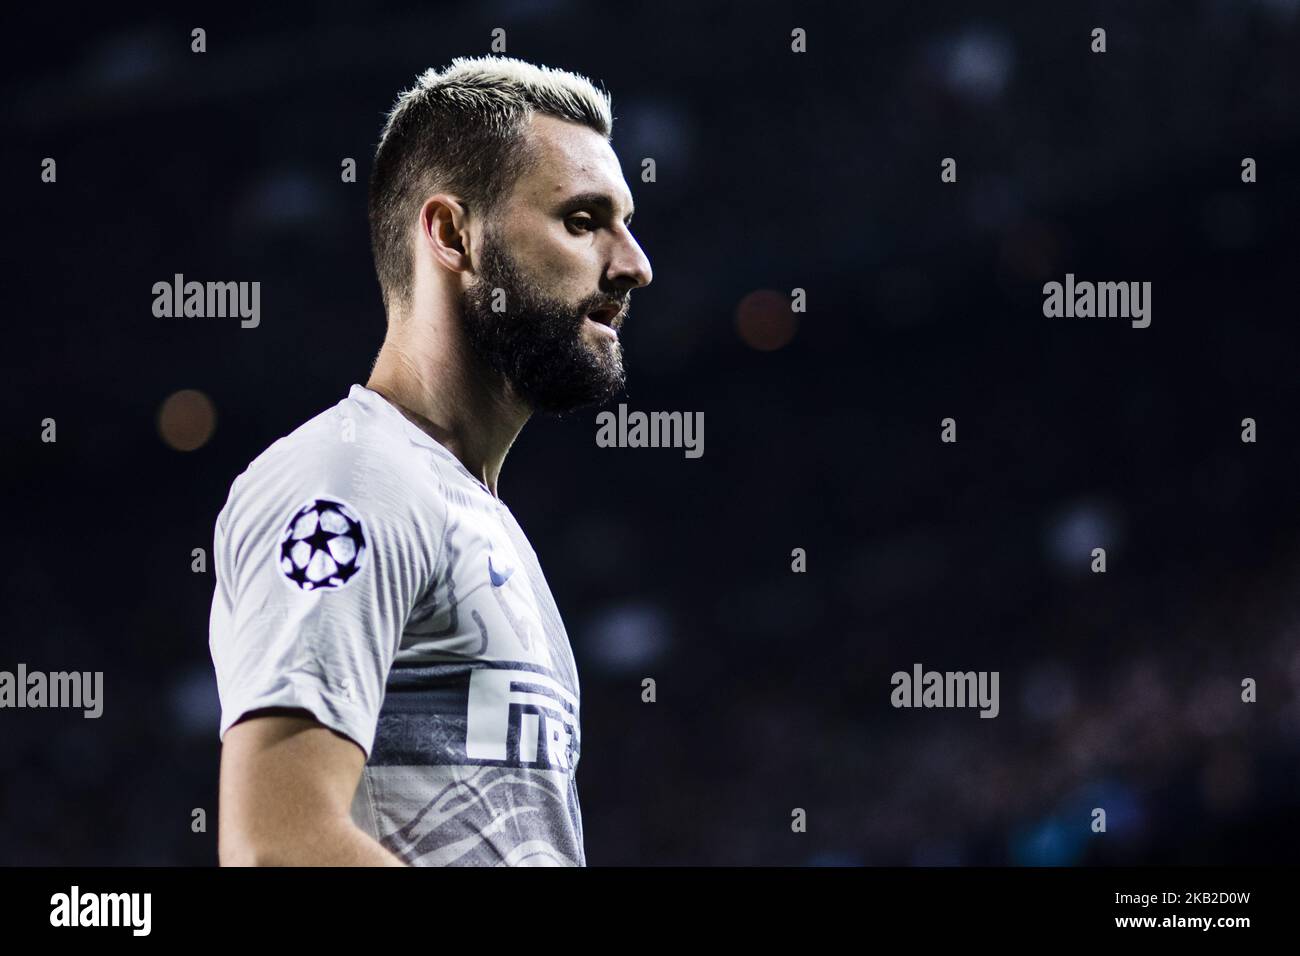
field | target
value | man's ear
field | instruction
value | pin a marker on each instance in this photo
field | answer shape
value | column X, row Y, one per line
column 444, row 221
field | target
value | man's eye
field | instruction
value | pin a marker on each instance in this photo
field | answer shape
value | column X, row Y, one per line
column 581, row 222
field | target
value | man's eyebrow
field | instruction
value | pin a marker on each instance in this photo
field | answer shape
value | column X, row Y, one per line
column 599, row 200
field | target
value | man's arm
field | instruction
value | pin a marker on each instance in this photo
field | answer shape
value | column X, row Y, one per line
column 286, row 790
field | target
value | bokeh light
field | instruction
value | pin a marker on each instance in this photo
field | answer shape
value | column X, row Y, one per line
column 765, row 321
column 186, row 420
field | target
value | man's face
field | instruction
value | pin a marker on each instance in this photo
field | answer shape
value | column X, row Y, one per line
column 561, row 254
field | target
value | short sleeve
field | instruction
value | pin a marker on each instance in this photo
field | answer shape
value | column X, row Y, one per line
column 320, row 553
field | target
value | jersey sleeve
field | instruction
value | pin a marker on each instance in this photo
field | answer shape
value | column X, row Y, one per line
column 320, row 553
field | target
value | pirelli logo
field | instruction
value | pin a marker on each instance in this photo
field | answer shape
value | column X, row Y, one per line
column 521, row 717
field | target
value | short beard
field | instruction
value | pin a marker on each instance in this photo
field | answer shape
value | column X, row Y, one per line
column 537, row 343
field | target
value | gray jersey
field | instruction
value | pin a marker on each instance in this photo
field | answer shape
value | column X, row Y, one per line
column 364, row 575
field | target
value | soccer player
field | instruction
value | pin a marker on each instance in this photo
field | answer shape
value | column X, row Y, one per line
column 396, row 684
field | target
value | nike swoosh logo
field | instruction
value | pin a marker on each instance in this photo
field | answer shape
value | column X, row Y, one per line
column 497, row 577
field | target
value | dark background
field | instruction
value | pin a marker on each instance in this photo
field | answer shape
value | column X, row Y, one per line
column 775, row 171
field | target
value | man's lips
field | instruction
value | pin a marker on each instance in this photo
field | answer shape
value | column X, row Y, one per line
column 602, row 328
column 605, row 315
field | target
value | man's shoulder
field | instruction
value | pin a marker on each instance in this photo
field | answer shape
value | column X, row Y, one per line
column 348, row 451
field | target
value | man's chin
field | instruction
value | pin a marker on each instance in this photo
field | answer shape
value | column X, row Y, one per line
column 563, row 405
column 561, row 401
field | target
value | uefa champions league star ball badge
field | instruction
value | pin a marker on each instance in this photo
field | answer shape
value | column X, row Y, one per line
column 323, row 546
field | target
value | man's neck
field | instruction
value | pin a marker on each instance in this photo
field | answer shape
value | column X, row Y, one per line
column 465, row 407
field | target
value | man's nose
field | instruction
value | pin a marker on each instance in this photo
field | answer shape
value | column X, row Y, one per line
column 631, row 268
